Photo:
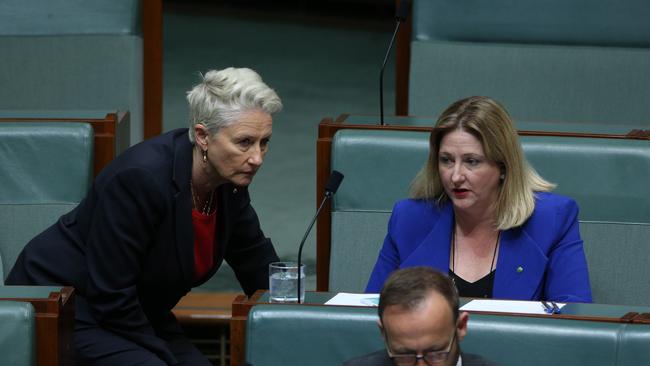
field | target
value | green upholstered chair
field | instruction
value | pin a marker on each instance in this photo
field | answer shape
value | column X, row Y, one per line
column 17, row 334
column 69, row 55
column 290, row 334
column 607, row 177
column 45, row 171
column 553, row 60
column 509, row 340
column 329, row 335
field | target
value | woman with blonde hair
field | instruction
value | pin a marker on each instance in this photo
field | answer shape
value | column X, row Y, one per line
column 481, row 213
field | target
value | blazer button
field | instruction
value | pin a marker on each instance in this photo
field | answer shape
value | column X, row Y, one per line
column 520, row 269
column 234, row 191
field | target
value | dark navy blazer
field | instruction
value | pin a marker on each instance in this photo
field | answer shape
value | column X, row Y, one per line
column 542, row 259
column 128, row 247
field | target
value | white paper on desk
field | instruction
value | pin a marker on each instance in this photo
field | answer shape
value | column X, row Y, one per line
column 348, row 299
column 507, row 306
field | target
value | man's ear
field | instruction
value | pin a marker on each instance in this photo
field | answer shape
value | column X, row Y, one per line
column 461, row 326
column 381, row 329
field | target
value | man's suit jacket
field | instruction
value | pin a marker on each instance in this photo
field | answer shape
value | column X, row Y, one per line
column 542, row 259
column 380, row 358
column 128, row 247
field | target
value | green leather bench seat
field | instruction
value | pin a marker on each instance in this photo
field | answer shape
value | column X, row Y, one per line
column 329, row 335
column 60, row 55
column 27, row 292
column 45, row 169
column 579, row 61
column 17, row 334
column 608, row 178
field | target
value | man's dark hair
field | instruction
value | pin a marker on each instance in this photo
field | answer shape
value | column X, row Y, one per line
column 409, row 287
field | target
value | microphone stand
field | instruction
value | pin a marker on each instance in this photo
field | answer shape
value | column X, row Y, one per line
column 328, row 195
column 381, row 72
column 400, row 16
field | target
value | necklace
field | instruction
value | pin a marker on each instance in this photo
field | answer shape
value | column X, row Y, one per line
column 207, row 205
column 453, row 251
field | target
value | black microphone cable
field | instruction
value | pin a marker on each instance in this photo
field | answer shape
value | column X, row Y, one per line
column 331, row 187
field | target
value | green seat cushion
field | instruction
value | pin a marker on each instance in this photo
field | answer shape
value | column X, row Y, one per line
column 27, row 292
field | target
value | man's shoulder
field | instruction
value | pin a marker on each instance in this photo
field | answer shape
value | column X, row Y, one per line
column 378, row 358
column 470, row 359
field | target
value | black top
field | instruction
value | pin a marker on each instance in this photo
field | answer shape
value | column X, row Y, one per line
column 480, row 288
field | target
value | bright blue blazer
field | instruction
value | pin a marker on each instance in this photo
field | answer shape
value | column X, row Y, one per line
column 543, row 259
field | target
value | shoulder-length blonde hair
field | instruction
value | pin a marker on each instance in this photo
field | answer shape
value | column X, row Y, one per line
column 491, row 124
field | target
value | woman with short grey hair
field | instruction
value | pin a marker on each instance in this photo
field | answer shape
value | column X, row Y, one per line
column 159, row 220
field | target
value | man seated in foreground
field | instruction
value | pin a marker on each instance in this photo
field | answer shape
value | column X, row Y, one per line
column 420, row 322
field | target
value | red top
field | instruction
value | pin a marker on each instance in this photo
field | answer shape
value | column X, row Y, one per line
column 205, row 227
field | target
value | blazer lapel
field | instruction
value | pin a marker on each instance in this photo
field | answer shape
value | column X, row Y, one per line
column 520, row 268
column 434, row 250
column 182, row 170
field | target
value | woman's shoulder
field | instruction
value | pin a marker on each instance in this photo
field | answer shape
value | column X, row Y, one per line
column 415, row 206
column 153, row 155
column 552, row 209
column 547, row 201
column 418, row 210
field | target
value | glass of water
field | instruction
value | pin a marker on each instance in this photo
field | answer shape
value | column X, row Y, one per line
column 283, row 282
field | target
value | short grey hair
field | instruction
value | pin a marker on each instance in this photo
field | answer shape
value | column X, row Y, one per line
column 222, row 95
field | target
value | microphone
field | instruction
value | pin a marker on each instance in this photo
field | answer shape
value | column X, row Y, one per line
column 400, row 16
column 331, row 187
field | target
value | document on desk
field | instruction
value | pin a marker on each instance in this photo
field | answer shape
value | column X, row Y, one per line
column 508, row 306
column 348, row 299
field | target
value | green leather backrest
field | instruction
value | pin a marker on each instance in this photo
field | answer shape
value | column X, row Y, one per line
column 549, row 126
column 510, row 341
column 290, row 334
column 617, row 254
column 45, row 169
column 578, row 61
column 609, row 178
column 379, row 166
column 576, row 22
column 72, row 55
column 17, row 334
column 634, row 345
column 65, row 17
column 329, row 335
